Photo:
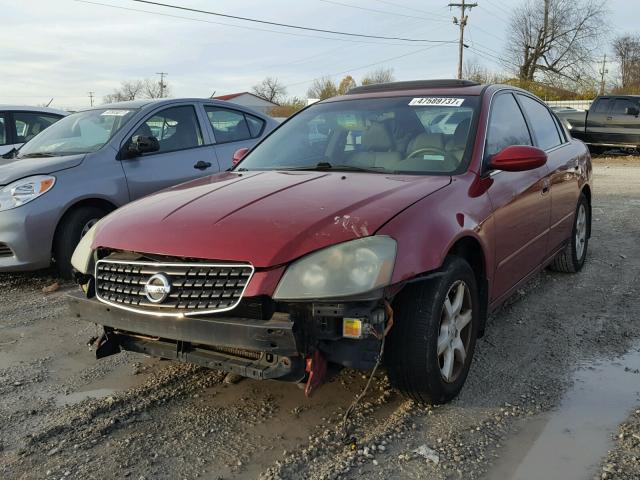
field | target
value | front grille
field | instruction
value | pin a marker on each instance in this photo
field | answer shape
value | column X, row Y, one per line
column 193, row 288
column 5, row 251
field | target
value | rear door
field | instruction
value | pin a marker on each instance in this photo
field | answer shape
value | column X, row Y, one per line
column 623, row 128
column 562, row 163
column 521, row 202
column 232, row 129
column 596, row 126
column 185, row 151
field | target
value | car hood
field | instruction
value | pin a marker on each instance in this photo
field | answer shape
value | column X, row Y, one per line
column 265, row 218
column 17, row 168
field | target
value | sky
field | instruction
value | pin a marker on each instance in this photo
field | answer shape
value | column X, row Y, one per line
column 63, row 49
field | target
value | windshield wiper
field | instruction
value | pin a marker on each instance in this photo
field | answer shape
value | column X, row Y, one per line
column 38, row 155
column 347, row 168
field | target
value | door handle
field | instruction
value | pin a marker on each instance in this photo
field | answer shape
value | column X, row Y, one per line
column 202, row 165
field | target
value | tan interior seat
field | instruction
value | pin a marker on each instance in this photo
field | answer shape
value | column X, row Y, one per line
column 458, row 143
column 378, row 149
column 426, row 140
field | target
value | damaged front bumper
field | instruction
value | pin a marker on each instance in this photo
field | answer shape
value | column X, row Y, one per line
column 260, row 349
column 277, row 348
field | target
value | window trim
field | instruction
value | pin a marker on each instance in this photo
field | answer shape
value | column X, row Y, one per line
column 530, row 123
column 485, row 159
column 129, row 135
column 7, row 133
column 10, row 124
column 609, row 101
column 244, row 116
column 626, row 99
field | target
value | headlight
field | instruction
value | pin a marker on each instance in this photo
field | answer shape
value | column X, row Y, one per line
column 82, row 256
column 23, row 191
column 341, row 270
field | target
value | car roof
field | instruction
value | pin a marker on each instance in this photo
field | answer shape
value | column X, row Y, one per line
column 28, row 108
column 412, row 88
column 152, row 102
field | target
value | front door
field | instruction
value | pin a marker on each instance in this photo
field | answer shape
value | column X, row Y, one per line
column 624, row 128
column 520, row 200
column 184, row 152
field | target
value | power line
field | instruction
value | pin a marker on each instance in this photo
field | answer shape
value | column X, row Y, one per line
column 494, row 14
column 366, row 66
column 242, row 27
column 411, row 8
column 463, row 22
column 384, row 12
column 285, row 25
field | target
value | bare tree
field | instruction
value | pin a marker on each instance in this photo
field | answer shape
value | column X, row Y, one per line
column 381, row 75
column 270, row 89
column 152, row 89
column 626, row 51
column 475, row 71
column 346, row 84
column 132, row 89
column 322, row 88
column 555, row 38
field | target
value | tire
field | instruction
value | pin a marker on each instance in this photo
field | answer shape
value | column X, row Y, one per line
column 69, row 232
column 421, row 320
column 571, row 259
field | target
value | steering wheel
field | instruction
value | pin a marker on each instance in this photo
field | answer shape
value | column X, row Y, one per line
column 425, row 150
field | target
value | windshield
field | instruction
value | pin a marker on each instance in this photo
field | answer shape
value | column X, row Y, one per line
column 407, row 135
column 81, row 132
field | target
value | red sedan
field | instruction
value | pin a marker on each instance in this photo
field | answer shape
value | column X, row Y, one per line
column 391, row 219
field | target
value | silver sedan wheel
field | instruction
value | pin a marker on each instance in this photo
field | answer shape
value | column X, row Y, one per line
column 87, row 226
column 455, row 331
column 581, row 231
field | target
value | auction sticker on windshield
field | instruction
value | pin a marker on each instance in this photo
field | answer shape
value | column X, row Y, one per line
column 115, row 113
column 439, row 101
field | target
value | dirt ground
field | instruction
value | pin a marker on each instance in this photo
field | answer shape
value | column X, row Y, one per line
column 64, row 414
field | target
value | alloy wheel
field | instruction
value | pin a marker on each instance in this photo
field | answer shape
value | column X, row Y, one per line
column 581, row 231
column 455, row 331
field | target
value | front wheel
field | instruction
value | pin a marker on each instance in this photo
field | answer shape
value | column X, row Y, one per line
column 71, row 229
column 433, row 340
column 571, row 258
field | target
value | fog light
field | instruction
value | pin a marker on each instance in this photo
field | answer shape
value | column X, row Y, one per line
column 352, row 328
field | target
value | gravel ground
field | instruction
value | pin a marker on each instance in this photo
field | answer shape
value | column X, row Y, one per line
column 65, row 415
column 623, row 463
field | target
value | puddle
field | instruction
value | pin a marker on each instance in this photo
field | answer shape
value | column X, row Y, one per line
column 77, row 397
column 118, row 380
column 570, row 442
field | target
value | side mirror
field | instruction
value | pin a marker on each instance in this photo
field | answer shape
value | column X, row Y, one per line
column 632, row 111
column 142, row 144
column 518, row 158
column 239, row 155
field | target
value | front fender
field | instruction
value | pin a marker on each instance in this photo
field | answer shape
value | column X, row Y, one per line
column 428, row 231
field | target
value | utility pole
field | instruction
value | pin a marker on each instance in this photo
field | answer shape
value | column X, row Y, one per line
column 91, row 97
column 162, row 84
column 603, row 72
column 462, row 23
